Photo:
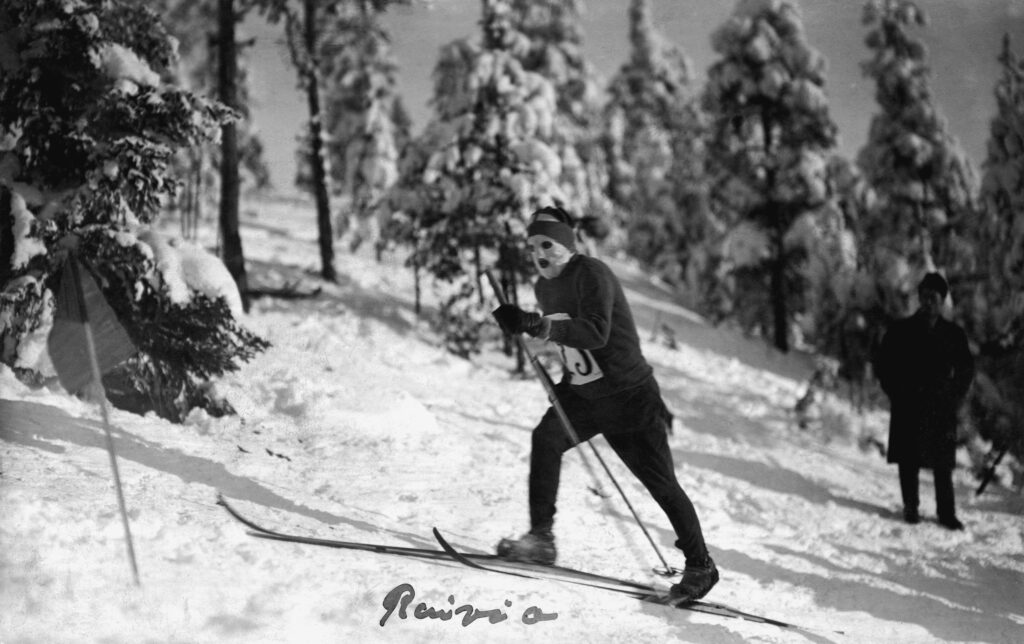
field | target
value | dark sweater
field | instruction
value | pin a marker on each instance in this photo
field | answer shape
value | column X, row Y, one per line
column 592, row 323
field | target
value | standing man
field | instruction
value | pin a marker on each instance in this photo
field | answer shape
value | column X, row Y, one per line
column 925, row 367
column 607, row 388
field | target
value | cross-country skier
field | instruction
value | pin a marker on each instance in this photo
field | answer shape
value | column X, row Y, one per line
column 607, row 388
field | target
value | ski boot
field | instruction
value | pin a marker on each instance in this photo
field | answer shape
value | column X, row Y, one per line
column 533, row 547
column 699, row 577
column 951, row 523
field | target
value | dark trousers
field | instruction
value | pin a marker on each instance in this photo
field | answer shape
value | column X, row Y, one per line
column 634, row 424
column 945, row 505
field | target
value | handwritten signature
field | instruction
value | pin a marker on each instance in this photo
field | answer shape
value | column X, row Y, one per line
column 402, row 595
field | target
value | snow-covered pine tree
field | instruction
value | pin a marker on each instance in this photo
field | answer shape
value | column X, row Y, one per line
column 556, row 52
column 998, row 306
column 995, row 311
column 923, row 180
column 87, row 137
column 481, row 166
column 305, row 25
column 192, row 23
column 365, row 122
column 771, row 136
column 827, row 237
column 655, row 150
column 409, row 201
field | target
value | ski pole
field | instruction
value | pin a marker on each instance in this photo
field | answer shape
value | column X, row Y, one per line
column 545, row 380
column 97, row 381
column 990, row 471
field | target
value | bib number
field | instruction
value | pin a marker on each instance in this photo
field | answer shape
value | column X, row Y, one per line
column 580, row 365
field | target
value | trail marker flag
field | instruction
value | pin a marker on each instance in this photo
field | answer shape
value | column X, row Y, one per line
column 80, row 303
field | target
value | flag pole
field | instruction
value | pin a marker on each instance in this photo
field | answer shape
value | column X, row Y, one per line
column 94, row 364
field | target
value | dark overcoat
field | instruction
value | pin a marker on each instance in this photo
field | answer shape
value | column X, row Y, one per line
column 926, row 373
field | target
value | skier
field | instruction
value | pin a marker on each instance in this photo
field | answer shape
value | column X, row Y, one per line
column 925, row 367
column 607, row 388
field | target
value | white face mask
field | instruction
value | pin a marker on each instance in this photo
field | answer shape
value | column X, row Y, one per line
column 549, row 256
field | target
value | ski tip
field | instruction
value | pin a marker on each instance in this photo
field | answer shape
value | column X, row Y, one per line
column 447, row 547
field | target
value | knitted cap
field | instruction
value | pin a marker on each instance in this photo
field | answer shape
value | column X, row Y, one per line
column 555, row 223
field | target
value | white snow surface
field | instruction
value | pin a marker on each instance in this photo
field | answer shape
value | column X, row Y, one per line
column 185, row 268
column 120, row 63
column 25, row 246
column 356, row 425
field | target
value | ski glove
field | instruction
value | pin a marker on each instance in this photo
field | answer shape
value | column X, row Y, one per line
column 513, row 319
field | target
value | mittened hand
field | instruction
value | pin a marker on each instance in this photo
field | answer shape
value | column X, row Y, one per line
column 510, row 318
column 513, row 319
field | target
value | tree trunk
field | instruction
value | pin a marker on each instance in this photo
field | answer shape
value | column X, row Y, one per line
column 520, row 356
column 506, row 339
column 316, row 147
column 508, row 286
column 192, row 212
column 478, row 267
column 777, row 230
column 7, row 239
column 200, row 188
column 229, row 184
column 416, row 279
column 780, row 312
column 925, row 236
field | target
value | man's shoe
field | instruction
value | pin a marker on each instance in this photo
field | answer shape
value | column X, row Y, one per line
column 532, row 547
column 951, row 523
column 911, row 516
column 699, row 577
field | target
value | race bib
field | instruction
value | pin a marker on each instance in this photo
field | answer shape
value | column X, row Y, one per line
column 579, row 364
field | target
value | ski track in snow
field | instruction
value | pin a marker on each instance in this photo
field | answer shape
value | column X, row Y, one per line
column 355, row 425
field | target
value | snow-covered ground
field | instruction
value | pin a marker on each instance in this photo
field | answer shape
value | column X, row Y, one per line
column 356, row 425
